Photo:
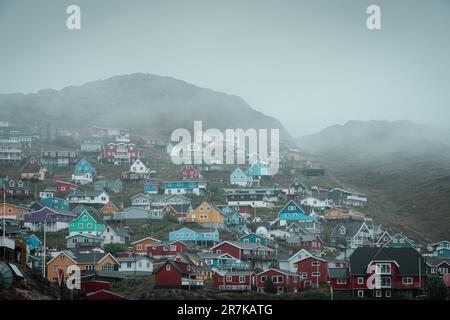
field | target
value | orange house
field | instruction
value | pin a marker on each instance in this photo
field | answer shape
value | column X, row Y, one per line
column 100, row 261
column 140, row 246
column 336, row 214
column 109, row 209
column 11, row 211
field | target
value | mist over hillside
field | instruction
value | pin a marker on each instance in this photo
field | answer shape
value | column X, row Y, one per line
column 403, row 167
column 148, row 104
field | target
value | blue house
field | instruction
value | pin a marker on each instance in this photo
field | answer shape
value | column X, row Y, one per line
column 33, row 242
column 255, row 238
column 292, row 212
column 231, row 216
column 187, row 235
column 240, row 178
column 259, row 169
column 56, row 203
column 441, row 249
column 151, row 188
column 83, row 167
column 224, row 261
column 184, row 187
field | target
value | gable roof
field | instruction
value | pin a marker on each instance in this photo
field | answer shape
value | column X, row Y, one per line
column 245, row 245
column 408, row 259
column 146, row 238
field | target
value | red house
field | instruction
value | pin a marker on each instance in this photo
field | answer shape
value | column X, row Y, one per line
column 313, row 270
column 282, row 281
column 313, row 243
column 94, row 285
column 166, row 249
column 386, row 272
column 176, row 274
column 179, row 211
column 190, row 172
column 256, row 254
column 338, row 278
column 235, row 281
column 104, row 295
column 120, row 153
column 62, row 186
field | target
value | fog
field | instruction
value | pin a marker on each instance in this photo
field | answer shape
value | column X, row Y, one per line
column 310, row 64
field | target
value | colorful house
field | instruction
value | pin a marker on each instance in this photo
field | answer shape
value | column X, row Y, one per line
column 139, row 167
column 179, row 211
column 176, row 274
column 221, row 262
column 190, row 172
column 400, row 241
column 292, row 212
column 235, row 281
column 187, row 235
column 352, row 235
column 63, row 186
column 259, row 169
column 53, row 219
column 12, row 212
column 33, row 242
column 255, row 238
column 313, row 270
column 57, row 203
column 84, row 172
column 282, row 281
column 206, row 215
column 141, row 247
column 231, row 216
column 151, row 188
column 240, row 178
column 87, row 223
column 33, row 170
column 85, row 260
column 195, row 187
column 109, row 209
column 166, row 249
column 88, row 197
column 112, row 186
column 441, row 249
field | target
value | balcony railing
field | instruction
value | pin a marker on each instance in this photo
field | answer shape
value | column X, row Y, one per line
column 191, row 282
column 257, row 256
column 234, row 287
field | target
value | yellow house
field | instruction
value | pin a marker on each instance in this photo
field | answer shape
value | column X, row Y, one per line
column 336, row 214
column 33, row 170
column 205, row 214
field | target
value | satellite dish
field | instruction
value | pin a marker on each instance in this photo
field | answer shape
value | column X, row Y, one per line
column 6, row 276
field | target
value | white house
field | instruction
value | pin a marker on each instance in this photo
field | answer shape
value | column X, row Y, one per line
column 82, row 178
column 137, row 264
column 288, row 263
column 139, row 167
column 88, row 197
column 316, row 203
column 114, row 235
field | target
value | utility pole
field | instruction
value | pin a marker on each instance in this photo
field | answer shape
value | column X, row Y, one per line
column 4, row 222
column 44, row 269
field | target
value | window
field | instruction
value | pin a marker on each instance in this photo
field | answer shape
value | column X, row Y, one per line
column 173, row 248
column 378, row 293
column 62, row 258
column 316, row 274
column 305, row 275
column 89, row 267
column 263, row 278
column 315, row 263
column 360, row 280
column 388, row 293
column 128, row 265
column 80, row 225
column 241, row 279
column 383, row 268
column 277, row 279
column 89, row 225
column 229, row 279
column 167, row 267
column 360, row 293
column 108, row 267
column 341, row 281
column 407, row 280
column 139, row 247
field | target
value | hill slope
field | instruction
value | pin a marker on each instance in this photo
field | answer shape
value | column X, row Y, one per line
column 148, row 104
column 403, row 167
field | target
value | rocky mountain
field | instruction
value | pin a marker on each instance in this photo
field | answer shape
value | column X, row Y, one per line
column 403, row 167
column 149, row 104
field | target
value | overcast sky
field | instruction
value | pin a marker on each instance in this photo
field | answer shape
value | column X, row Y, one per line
column 308, row 63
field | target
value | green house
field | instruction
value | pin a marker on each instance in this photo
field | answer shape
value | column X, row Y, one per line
column 399, row 241
column 87, row 223
column 255, row 238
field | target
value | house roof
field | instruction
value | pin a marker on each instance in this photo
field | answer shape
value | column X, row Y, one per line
column 239, row 273
column 351, row 229
column 245, row 245
column 286, row 272
column 408, row 259
column 436, row 261
column 338, row 273
column 136, row 258
column 78, row 193
column 146, row 238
